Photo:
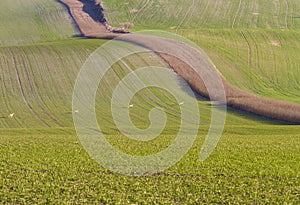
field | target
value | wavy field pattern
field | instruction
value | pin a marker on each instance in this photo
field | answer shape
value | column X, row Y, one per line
column 191, row 14
column 254, row 44
column 37, row 84
column 263, row 62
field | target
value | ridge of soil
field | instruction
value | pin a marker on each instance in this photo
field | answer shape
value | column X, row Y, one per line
column 83, row 13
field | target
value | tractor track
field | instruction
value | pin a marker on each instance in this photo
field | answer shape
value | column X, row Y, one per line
column 144, row 95
column 33, row 93
column 23, row 92
column 142, row 9
column 163, row 104
column 185, row 16
column 286, row 14
column 248, row 46
column 236, row 14
column 5, row 96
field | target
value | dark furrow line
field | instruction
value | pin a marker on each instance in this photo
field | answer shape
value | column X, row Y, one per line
column 23, row 93
column 159, row 174
column 33, row 93
column 249, row 48
column 256, row 51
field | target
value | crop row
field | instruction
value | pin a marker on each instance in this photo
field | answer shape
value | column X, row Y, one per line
column 262, row 62
column 280, row 14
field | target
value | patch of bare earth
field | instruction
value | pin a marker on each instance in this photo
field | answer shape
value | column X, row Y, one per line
column 236, row 98
column 276, row 43
column 84, row 14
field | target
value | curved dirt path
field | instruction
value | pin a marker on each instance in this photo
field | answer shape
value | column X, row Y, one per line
column 236, row 98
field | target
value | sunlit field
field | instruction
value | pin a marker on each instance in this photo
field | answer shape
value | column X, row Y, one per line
column 255, row 45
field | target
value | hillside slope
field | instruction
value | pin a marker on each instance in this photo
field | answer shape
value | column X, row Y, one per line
column 191, row 14
column 264, row 62
column 29, row 21
column 253, row 43
column 28, row 73
column 236, row 98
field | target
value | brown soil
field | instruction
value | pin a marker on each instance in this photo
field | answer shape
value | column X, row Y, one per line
column 236, row 98
column 86, row 19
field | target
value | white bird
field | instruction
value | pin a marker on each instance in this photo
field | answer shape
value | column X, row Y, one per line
column 131, row 106
column 76, row 111
column 11, row 115
column 182, row 103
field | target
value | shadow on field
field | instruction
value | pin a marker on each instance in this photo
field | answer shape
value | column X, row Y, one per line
column 95, row 11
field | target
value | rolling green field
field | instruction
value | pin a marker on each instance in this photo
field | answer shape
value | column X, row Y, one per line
column 31, row 21
column 191, row 14
column 255, row 45
column 42, row 166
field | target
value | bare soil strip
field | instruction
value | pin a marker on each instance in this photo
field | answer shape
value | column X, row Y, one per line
column 83, row 13
column 236, row 98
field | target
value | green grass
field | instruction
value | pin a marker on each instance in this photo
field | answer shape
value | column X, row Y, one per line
column 254, row 44
column 47, row 73
column 41, row 167
column 264, row 62
column 191, row 14
column 26, row 21
column 256, row 161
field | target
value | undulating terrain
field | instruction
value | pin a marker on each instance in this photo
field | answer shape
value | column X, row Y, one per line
column 255, row 45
